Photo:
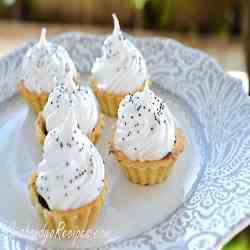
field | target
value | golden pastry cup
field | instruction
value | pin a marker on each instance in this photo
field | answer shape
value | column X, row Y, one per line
column 34, row 100
column 72, row 219
column 150, row 172
column 41, row 130
column 37, row 101
column 110, row 102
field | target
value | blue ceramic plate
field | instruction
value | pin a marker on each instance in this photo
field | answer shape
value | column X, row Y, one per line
column 206, row 199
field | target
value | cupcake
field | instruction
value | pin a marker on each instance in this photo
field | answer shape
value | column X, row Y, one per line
column 68, row 187
column 146, row 142
column 83, row 104
column 120, row 70
column 44, row 66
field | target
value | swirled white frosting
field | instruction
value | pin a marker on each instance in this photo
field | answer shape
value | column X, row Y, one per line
column 71, row 173
column 46, row 65
column 80, row 100
column 145, row 127
column 122, row 68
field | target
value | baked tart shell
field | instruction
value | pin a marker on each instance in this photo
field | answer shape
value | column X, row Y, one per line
column 37, row 101
column 150, row 172
column 72, row 219
column 41, row 130
column 110, row 102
